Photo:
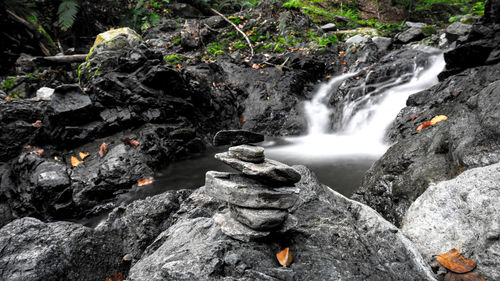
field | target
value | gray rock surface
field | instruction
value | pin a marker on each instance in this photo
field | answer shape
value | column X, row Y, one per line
column 415, row 24
column 236, row 137
column 410, row 35
column 235, row 229
column 357, row 40
column 254, row 154
column 462, row 213
column 69, row 98
column 334, row 239
column 33, row 250
column 44, row 93
column 246, row 192
column 383, row 43
column 270, row 170
column 259, row 219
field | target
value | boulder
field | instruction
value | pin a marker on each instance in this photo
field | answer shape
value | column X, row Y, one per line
column 410, row 35
column 411, row 24
column 247, row 192
column 335, row 239
column 33, row 250
column 357, row 40
column 44, row 93
column 270, row 170
column 259, row 219
column 236, row 137
column 254, row 154
column 461, row 213
column 456, row 30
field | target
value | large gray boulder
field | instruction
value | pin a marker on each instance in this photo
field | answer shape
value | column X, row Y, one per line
column 462, row 213
column 334, row 238
column 37, row 251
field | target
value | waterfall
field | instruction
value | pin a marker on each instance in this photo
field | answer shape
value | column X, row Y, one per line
column 364, row 121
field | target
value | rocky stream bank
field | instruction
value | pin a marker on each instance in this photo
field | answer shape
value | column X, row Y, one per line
column 135, row 108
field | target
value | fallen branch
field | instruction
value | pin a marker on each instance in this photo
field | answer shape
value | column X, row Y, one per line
column 236, row 27
column 61, row 59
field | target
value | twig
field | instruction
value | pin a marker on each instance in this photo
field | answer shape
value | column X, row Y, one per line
column 236, row 27
column 61, row 59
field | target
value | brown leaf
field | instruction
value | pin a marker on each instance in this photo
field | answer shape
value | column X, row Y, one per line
column 33, row 149
column 469, row 276
column 37, row 124
column 129, row 141
column 284, row 257
column 343, row 62
column 115, row 277
column 103, row 150
column 242, row 120
column 255, row 66
column 75, row 162
column 145, row 182
column 83, row 155
column 8, row 98
column 455, row 262
column 341, row 53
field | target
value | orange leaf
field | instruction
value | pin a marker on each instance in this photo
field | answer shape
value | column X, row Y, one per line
column 134, row 143
column 343, row 62
column 255, row 66
column 424, row 125
column 83, row 155
column 469, row 276
column 145, row 182
column 455, row 262
column 37, row 124
column 341, row 53
column 413, row 118
column 75, row 162
column 284, row 257
column 242, row 120
column 8, row 98
column 36, row 150
column 129, row 141
column 103, row 150
column 438, row 119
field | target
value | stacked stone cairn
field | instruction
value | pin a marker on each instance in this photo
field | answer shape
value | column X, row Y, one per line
column 259, row 197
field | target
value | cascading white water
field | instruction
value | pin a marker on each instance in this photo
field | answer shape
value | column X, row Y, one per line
column 364, row 121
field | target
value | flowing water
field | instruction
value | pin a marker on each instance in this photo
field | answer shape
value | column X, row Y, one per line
column 340, row 158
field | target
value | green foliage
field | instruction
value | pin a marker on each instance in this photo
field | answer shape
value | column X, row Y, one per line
column 215, row 49
column 67, row 13
column 146, row 13
column 295, row 4
column 429, row 30
column 173, row 59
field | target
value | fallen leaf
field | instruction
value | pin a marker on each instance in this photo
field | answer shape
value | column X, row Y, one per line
column 328, row 76
column 103, row 150
column 438, row 119
column 413, row 118
column 145, row 182
column 57, row 159
column 75, row 162
column 242, row 120
column 115, row 277
column 424, row 125
column 37, row 124
column 129, row 141
column 341, row 53
column 83, row 155
column 455, row 262
column 33, row 149
column 343, row 62
column 284, row 257
column 469, row 276
column 255, row 66
column 357, row 78
column 8, row 98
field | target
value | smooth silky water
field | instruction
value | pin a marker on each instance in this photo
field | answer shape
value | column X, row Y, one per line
column 339, row 159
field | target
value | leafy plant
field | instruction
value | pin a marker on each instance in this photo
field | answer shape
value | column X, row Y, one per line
column 295, row 4
column 67, row 13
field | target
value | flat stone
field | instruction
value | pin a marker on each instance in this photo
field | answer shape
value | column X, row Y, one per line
column 270, row 170
column 357, row 40
column 236, row 137
column 329, row 27
column 68, row 98
column 237, row 230
column 415, row 24
column 243, row 191
column 259, row 219
column 254, row 154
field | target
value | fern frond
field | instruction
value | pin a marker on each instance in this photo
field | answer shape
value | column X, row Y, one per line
column 67, row 13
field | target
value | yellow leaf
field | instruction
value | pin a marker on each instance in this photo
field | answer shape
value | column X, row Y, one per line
column 8, row 98
column 438, row 119
column 284, row 257
column 75, row 162
column 83, row 155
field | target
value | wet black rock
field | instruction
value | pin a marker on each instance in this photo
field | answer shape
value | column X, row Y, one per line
column 248, row 153
column 334, row 238
column 236, row 137
column 410, row 35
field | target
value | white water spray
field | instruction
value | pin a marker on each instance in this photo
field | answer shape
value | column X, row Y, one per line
column 364, row 120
